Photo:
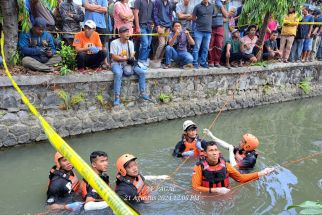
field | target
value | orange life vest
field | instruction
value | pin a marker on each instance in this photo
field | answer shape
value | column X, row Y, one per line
column 191, row 146
column 70, row 177
column 214, row 176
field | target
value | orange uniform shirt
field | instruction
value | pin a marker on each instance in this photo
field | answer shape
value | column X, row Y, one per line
column 233, row 173
column 81, row 41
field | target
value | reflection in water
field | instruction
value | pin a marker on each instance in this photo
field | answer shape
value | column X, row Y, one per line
column 278, row 187
column 320, row 184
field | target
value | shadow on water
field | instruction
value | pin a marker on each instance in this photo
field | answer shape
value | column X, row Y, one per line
column 286, row 132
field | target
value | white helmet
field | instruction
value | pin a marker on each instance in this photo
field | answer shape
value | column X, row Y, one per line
column 187, row 124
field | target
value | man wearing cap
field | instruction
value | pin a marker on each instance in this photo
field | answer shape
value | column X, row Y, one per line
column 95, row 10
column 233, row 49
column 190, row 144
column 123, row 63
column 38, row 49
column 88, row 47
column 63, row 186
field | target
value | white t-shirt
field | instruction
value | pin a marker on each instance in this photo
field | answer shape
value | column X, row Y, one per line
column 118, row 48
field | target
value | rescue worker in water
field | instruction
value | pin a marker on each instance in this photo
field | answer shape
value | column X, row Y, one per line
column 190, row 144
column 99, row 163
column 212, row 174
column 63, row 186
column 243, row 156
column 130, row 184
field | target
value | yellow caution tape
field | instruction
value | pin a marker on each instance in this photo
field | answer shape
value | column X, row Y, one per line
column 292, row 23
column 112, row 199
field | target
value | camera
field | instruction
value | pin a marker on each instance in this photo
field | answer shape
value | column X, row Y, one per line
column 132, row 62
column 47, row 49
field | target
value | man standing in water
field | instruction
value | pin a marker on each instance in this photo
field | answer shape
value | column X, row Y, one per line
column 212, row 174
column 63, row 186
column 99, row 162
column 190, row 145
column 243, row 156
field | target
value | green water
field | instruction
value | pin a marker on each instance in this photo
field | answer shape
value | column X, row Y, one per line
column 286, row 131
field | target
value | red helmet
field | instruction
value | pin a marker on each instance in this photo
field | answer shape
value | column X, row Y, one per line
column 251, row 142
column 122, row 161
column 56, row 159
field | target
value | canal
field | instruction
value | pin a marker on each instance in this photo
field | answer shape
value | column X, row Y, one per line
column 287, row 131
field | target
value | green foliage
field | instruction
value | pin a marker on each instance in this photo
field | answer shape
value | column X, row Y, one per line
column 260, row 63
column 15, row 58
column 64, row 70
column 77, row 99
column 68, row 55
column 267, row 88
column 305, row 85
column 51, row 4
column 68, row 101
column 254, row 11
column 65, row 97
column 23, row 16
column 308, row 207
column 165, row 98
column 100, row 99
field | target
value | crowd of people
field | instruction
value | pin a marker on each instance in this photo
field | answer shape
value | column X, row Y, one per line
column 210, row 174
column 190, row 34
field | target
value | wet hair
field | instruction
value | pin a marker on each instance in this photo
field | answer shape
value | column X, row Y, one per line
column 209, row 143
column 274, row 32
column 96, row 154
column 175, row 22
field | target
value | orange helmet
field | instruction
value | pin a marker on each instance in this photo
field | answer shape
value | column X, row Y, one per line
column 120, row 163
column 56, row 159
column 251, row 142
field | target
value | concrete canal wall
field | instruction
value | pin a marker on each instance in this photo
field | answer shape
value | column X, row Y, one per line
column 82, row 103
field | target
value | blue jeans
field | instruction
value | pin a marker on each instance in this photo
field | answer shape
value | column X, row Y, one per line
column 183, row 57
column 202, row 40
column 145, row 46
column 296, row 51
column 118, row 73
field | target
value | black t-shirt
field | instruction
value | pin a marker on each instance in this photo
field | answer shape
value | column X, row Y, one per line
column 60, row 190
column 270, row 44
column 204, row 16
column 91, row 192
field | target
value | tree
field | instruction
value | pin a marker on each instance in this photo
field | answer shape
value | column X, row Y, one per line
column 258, row 13
column 12, row 13
column 10, row 26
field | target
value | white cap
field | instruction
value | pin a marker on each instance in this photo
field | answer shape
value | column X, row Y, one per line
column 90, row 23
column 188, row 123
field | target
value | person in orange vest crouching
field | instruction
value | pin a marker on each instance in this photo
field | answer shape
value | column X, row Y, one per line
column 212, row 174
column 243, row 156
column 63, row 186
column 93, row 201
column 130, row 184
column 190, row 145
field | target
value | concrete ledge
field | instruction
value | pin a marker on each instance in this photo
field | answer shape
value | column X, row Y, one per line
column 151, row 74
column 192, row 92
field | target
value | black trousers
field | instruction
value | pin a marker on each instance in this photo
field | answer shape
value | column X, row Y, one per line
column 90, row 60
